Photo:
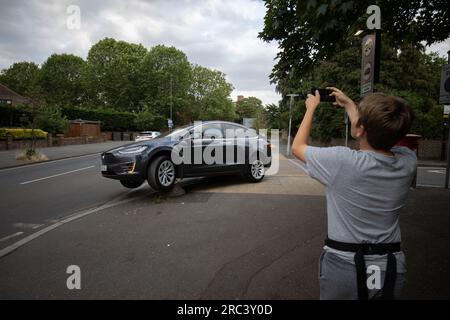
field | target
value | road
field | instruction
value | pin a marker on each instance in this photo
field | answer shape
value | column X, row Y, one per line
column 37, row 195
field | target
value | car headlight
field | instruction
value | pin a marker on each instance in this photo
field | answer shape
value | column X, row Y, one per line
column 133, row 150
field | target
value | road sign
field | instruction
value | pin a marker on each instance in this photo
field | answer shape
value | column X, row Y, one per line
column 170, row 123
column 447, row 109
column 444, row 93
column 369, row 63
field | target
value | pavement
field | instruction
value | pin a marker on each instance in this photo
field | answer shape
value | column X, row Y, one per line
column 8, row 157
column 223, row 239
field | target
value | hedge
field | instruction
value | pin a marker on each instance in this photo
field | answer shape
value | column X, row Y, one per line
column 10, row 115
column 18, row 133
column 111, row 120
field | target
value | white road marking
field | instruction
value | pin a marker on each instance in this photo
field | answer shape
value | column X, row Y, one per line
column 21, row 242
column 57, row 175
column 299, row 164
column 27, row 225
column 48, row 162
column 436, row 171
column 429, row 185
column 11, row 236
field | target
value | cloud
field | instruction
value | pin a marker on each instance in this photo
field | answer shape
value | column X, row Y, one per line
column 217, row 34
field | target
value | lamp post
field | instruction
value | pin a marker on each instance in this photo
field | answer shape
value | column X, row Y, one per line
column 447, row 170
column 292, row 96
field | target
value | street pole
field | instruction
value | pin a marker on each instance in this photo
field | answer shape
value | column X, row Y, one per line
column 170, row 129
column 447, row 170
column 292, row 95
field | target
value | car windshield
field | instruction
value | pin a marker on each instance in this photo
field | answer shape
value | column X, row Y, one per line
column 178, row 132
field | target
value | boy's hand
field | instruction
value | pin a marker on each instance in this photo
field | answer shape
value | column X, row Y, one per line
column 313, row 101
column 341, row 99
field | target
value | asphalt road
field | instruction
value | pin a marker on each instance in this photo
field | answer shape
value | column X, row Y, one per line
column 431, row 176
column 35, row 196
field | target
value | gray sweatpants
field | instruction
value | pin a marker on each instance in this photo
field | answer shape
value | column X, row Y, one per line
column 337, row 279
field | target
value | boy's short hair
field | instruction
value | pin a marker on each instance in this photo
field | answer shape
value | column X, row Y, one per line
column 386, row 119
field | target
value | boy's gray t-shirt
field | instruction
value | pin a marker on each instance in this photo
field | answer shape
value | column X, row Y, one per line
column 365, row 191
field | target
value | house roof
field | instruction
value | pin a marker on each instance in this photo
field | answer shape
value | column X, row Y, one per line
column 7, row 93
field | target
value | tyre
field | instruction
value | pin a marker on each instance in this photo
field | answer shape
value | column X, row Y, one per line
column 161, row 174
column 131, row 184
column 254, row 172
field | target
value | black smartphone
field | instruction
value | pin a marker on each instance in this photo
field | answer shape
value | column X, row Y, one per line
column 324, row 94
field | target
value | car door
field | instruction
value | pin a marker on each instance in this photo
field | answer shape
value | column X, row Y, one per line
column 207, row 148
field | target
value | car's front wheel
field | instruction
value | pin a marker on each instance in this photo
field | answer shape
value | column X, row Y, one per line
column 161, row 174
column 255, row 171
column 131, row 184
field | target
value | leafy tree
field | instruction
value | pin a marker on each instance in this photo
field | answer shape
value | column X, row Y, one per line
column 51, row 120
column 148, row 120
column 210, row 93
column 21, row 77
column 309, row 31
column 112, row 74
column 410, row 73
column 61, row 78
column 165, row 79
column 249, row 108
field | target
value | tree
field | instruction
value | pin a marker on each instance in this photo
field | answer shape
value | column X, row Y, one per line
column 51, row 120
column 21, row 77
column 112, row 74
column 61, row 78
column 165, row 78
column 210, row 93
column 249, row 108
column 309, row 31
column 410, row 73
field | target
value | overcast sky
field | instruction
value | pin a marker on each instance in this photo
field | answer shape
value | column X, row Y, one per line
column 216, row 34
column 219, row 34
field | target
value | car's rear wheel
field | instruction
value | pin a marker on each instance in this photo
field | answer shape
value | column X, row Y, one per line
column 255, row 171
column 161, row 174
column 131, row 184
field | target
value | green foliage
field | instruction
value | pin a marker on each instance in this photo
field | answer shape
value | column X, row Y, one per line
column 118, row 79
column 165, row 79
column 21, row 77
column 309, row 31
column 249, row 108
column 148, row 121
column 410, row 73
column 20, row 133
column 51, row 120
column 112, row 74
column 61, row 78
column 10, row 116
column 209, row 94
column 111, row 120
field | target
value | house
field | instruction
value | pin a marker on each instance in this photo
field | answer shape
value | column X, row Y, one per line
column 8, row 96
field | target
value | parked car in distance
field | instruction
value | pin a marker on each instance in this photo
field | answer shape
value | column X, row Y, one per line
column 147, row 135
column 158, row 160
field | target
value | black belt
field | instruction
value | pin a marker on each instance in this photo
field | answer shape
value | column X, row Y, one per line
column 361, row 249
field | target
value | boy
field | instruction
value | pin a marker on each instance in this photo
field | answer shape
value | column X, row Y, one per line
column 365, row 191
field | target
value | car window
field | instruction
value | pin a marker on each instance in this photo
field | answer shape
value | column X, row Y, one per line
column 232, row 131
column 212, row 130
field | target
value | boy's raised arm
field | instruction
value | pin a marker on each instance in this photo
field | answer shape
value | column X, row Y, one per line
column 301, row 139
column 344, row 101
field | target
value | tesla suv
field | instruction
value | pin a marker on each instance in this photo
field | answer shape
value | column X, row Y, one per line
column 202, row 149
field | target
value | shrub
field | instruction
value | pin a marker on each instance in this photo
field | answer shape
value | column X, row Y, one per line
column 18, row 133
column 51, row 120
